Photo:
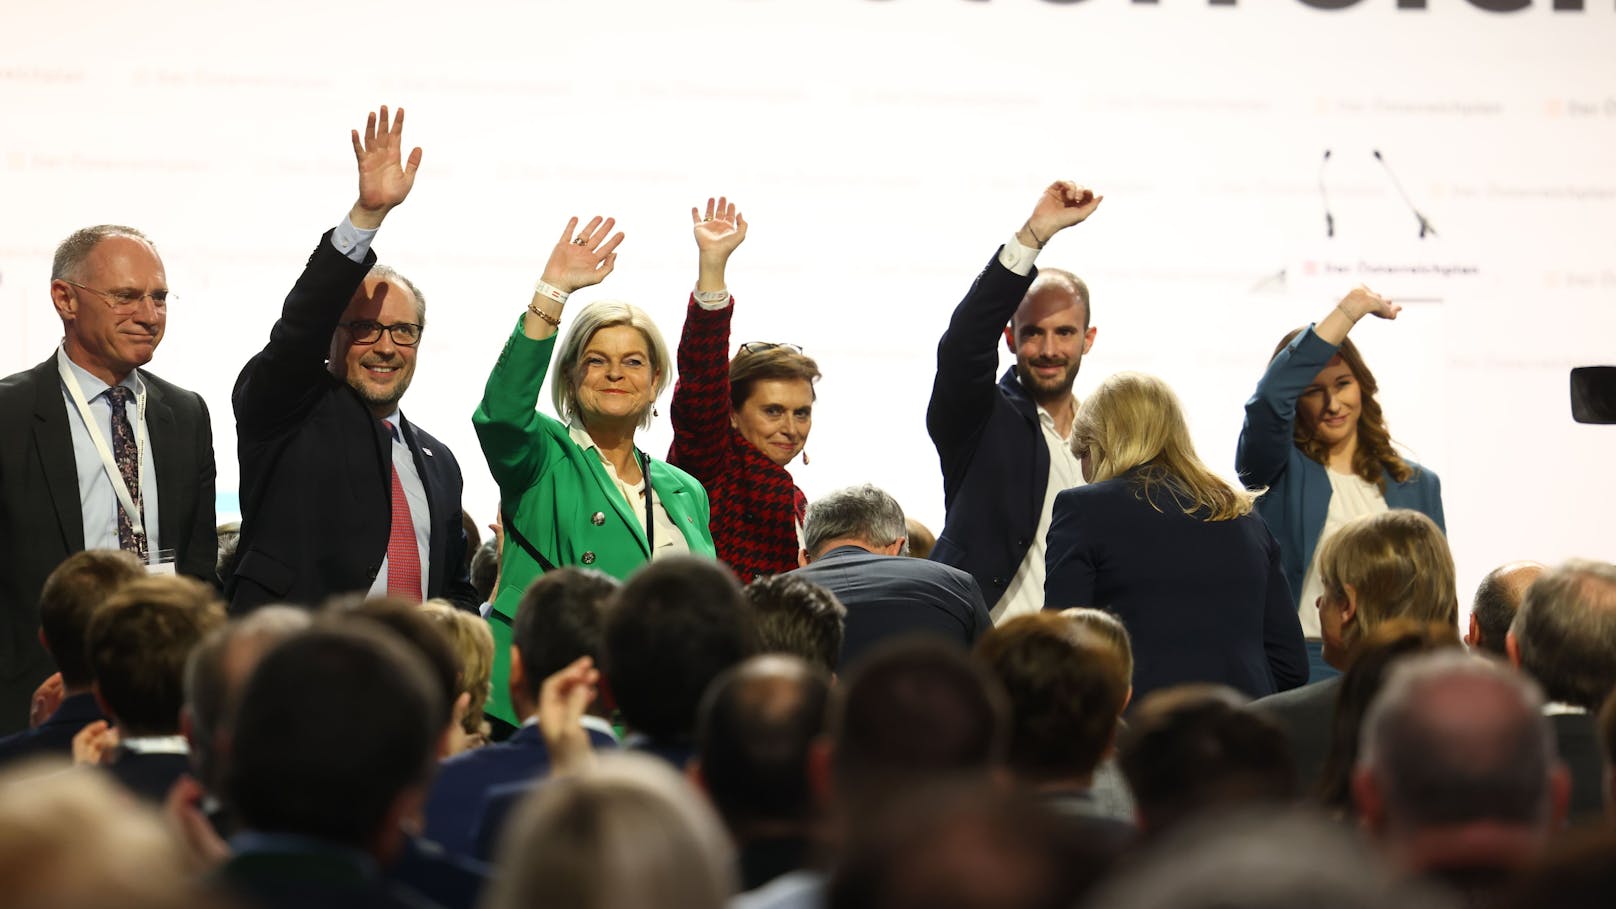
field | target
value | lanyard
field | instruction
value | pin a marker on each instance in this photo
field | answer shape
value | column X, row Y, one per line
column 650, row 523
column 137, row 521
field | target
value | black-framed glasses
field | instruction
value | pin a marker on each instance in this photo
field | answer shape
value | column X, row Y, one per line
column 124, row 300
column 753, row 347
column 369, row 331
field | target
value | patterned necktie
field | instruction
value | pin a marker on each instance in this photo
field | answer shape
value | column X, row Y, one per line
column 403, row 557
column 127, row 455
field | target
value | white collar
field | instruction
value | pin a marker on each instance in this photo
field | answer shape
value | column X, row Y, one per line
column 156, row 744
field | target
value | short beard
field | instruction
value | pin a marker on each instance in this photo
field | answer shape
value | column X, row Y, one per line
column 1042, row 393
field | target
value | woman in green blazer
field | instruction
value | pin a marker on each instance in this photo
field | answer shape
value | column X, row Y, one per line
column 573, row 491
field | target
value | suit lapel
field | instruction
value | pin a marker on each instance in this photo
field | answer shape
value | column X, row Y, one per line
column 675, row 499
column 610, row 491
column 167, row 451
column 54, row 442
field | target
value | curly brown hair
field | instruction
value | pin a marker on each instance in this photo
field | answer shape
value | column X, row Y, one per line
column 1375, row 457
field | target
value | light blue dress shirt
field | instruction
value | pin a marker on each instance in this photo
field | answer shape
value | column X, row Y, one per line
column 98, row 504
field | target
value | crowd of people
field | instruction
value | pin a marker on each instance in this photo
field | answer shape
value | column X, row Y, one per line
column 1112, row 679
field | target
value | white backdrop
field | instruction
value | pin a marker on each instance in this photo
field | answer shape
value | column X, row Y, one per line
column 881, row 151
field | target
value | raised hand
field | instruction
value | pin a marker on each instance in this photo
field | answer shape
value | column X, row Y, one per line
column 585, row 259
column 720, row 231
column 385, row 179
column 563, row 699
column 1063, row 204
column 47, row 697
column 1361, row 301
column 95, row 743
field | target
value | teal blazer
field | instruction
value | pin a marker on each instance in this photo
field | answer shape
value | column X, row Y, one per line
column 560, row 497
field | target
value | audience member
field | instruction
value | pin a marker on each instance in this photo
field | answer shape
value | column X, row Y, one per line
column 796, row 616
column 229, row 535
column 75, row 841
column 1457, row 776
column 70, row 596
column 756, row 727
column 1170, row 547
column 1498, row 598
column 558, row 621
column 921, row 539
column 339, row 492
column 968, row 846
column 917, row 712
column 738, row 423
column 1379, row 651
column 1192, row 750
column 485, row 569
column 628, row 832
column 1263, row 859
column 115, row 458
column 332, row 748
column 1564, row 636
column 1110, row 793
column 1394, row 564
column 1066, row 692
column 854, row 542
column 409, row 622
column 1003, row 447
column 1575, row 872
column 137, row 644
column 474, row 654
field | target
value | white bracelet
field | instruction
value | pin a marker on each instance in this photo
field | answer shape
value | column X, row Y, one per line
column 552, row 292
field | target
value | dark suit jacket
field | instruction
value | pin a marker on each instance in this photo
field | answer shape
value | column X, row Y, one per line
column 54, row 736
column 310, row 877
column 1205, row 601
column 316, row 464
column 892, row 596
column 1306, row 715
column 40, row 520
column 1578, row 741
column 149, row 776
column 455, row 803
column 994, row 457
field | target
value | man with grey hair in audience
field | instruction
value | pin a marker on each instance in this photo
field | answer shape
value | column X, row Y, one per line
column 1457, row 776
column 1564, row 636
column 855, row 540
column 1497, row 600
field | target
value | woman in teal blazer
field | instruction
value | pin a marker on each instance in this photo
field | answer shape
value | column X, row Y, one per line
column 573, row 491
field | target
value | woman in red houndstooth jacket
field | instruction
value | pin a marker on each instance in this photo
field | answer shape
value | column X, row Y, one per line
column 738, row 423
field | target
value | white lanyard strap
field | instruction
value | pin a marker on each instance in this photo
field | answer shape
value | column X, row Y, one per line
column 137, row 521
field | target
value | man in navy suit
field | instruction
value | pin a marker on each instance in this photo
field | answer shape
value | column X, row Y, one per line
column 1004, row 447
column 88, row 430
column 855, row 549
column 558, row 621
column 339, row 491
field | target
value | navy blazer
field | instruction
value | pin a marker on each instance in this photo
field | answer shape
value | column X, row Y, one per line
column 1297, row 502
column 54, row 736
column 994, row 458
column 316, row 464
column 1204, row 601
column 893, row 596
column 455, row 804
column 41, row 523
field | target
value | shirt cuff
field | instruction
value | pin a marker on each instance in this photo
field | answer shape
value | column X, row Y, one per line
column 712, row 299
column 1016, row 257
column 351, row 241
column 483, row 609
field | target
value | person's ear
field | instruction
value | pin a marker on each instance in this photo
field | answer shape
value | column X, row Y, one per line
column 1366, row 796
column 1088, row 339
column 1349, row 604
column 62, row 298
column 803, row 558
column 895, row 547
column 1472, row 636
column 1010, row 338
column 821, row 779
column 693, row 773
column 1512, row 648
column 735, row 419
column 517, row 677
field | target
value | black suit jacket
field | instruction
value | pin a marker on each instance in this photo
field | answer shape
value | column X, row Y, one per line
column 893, row 596
column 54, row 737
column 994, row 458
column 1307, row 717
column 316, row 464
column 40, row 520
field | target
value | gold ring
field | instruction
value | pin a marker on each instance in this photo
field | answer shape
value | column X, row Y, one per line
column 581, row 241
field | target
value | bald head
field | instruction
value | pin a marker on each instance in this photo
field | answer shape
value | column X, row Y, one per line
column 1498, row 598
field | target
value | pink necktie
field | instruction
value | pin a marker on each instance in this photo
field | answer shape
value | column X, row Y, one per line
column 403, row 558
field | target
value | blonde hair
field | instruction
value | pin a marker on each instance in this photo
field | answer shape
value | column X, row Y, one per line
column 474, row 653
column 594, row 317
column 1399, row 566
column 1134, row 421
column 627, row 833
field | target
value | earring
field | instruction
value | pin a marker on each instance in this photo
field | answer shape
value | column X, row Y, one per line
column 805, row 457
column 654, row 411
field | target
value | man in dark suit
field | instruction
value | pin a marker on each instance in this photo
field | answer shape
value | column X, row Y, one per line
column 558, row 621
column 1564, row 636
column 72, row 593
column 339, row 492
column 855, row 544
column 66, row 470
column 1004, row 447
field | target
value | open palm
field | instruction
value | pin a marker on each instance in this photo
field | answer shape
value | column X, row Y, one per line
column 385, row 179
column 720, row 231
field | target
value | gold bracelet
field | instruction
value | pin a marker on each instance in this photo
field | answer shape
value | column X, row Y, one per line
column 555, row 321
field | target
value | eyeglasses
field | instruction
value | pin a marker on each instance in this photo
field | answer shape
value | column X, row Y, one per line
column 753, row 347
column 124, row 302
column 369, row 331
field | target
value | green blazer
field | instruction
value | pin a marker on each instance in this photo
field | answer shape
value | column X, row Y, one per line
column 560, row 497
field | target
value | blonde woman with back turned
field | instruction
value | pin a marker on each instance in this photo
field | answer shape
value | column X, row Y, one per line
column 1174, row 551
